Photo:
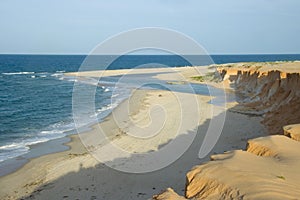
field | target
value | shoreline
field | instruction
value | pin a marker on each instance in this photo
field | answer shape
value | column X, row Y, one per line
column 36, row 151
column 76, row 163
column 75, row 173
column 41, row 149
column 68, row 162
column 51, row 146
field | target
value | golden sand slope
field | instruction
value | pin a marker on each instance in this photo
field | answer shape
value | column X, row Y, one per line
column 292, row 131
column 269, row 169
column 168, row 194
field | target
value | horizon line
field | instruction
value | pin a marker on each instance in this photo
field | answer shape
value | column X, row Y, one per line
column 79, row 54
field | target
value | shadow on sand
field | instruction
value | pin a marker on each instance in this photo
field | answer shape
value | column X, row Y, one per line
column 102, row 182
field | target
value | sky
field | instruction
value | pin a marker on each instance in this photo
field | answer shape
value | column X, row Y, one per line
column 220, row 26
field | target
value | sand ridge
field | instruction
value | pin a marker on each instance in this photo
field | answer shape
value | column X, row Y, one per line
column 268, row 169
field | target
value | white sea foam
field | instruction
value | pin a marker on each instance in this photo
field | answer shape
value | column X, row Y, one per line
column 12, row 154
column 114, row 95
column 104, row 108
column 20, row 147
column 57, row 74
column 17, row 73
column 10, row 146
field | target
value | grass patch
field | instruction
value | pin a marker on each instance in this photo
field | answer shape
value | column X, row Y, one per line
column 176, row 82
column 281, row 177
column 198, row 78
column 208, row 77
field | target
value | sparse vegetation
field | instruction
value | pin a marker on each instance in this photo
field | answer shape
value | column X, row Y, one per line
column 281, row 177
column 208, row 77
column 213, row 66
column 198, row 78
column 176, row 82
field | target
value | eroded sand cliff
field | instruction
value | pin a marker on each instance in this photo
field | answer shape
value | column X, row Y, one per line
column 269, row 167
column 270, row 90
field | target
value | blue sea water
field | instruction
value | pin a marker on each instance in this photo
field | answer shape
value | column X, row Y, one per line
column 36, row 98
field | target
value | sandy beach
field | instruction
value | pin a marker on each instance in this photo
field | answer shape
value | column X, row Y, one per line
column 76, row 174
column 149, row 100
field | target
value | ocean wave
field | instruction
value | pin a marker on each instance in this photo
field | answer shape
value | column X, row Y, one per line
column 105, row 108
column 57, row 74
column 22, row 146
column 115, row 95
column 5, row 155
column 17, row 147
column 10, row 146
column 17, row 73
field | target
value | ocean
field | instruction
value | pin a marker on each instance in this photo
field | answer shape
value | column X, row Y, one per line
column 36, row 98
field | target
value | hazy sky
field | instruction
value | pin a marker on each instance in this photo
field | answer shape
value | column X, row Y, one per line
column 220, row 26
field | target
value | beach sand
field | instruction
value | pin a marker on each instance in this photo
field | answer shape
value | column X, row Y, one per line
column 76, row 174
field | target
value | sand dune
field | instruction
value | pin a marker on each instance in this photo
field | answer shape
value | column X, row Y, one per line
column 269, row 169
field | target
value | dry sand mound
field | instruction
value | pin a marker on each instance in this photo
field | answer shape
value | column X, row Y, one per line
column 268, row 169
column 292, row 131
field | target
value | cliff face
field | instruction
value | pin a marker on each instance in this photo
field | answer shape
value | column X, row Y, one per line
column 273, row 94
